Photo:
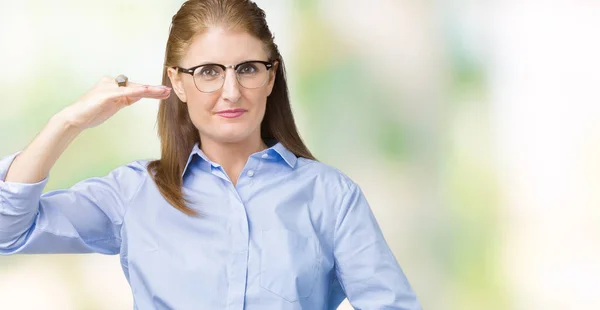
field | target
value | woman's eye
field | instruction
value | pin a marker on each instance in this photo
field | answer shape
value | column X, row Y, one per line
column 209, row 71
column 245, row 69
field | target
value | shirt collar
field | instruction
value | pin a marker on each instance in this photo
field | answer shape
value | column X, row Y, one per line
column 285, row 154
column 276, row 149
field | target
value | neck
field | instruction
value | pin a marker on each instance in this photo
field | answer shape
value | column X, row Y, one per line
column 232, row 156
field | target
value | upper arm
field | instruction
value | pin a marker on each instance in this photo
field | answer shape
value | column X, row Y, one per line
column 365, row 265
column 84, row 218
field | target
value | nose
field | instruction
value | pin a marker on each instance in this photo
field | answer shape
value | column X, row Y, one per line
column 231, row 87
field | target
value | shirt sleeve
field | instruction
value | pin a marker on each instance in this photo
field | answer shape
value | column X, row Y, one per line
column 82, row 219
column 366, row 268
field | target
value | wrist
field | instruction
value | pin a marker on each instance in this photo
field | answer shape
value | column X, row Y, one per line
column 66, row 122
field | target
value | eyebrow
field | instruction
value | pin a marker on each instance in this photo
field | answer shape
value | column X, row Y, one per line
column 216, row 63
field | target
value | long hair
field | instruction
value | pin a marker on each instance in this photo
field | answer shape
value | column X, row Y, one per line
column 176, row 131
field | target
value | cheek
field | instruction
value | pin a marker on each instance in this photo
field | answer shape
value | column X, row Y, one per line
column 259, row 98
column 259, row 104
column 200, row 106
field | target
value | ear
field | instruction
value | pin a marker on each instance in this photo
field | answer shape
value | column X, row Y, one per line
column 177, row 83
column 272, row 75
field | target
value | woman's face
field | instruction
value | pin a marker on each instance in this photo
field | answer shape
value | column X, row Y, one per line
column 232, row 113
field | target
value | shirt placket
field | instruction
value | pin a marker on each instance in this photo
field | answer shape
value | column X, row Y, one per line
column 237, row 268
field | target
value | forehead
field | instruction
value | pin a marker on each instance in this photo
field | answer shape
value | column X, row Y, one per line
column 223, row 46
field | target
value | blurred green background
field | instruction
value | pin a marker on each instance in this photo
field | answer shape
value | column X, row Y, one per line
column 471, row 126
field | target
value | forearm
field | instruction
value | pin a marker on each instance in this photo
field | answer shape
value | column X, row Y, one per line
column 36, row 160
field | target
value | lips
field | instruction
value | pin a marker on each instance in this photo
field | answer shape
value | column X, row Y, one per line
column 232, row 113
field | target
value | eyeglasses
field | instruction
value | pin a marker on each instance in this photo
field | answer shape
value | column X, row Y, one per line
column 209, row 78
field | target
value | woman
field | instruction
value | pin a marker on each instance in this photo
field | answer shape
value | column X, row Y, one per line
column 236, row 214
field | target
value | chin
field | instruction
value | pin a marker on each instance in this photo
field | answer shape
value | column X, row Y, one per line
column 230, row 133
column 231, row 136
column 231, row 139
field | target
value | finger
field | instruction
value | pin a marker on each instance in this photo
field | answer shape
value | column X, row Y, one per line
column 142, row 91
column 129, row 100
column 132, row 99
column 135, row 99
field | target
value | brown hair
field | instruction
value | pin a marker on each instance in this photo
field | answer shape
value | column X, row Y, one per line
column 175, row 128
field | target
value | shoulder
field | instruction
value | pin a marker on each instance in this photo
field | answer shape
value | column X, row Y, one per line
column 129, row 177
column 137, row 168
column 327, row 174
column 139, row 165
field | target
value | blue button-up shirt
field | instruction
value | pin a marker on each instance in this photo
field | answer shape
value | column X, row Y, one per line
column 292, row 234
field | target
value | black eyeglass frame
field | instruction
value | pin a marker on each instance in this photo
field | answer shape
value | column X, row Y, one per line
column 190, row 71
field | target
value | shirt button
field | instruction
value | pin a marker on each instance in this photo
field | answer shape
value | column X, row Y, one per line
column 265, row 155
column 250, row 173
